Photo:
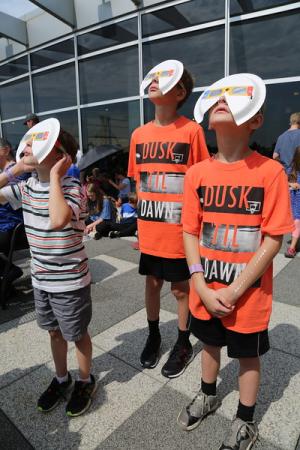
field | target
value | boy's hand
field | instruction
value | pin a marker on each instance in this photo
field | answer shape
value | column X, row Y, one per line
column 215, row 304
column 60, row 168
column 229, row 295
column 26, row 164
column 90, row 228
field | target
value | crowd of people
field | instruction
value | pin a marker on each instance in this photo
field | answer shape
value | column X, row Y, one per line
column 209, row 225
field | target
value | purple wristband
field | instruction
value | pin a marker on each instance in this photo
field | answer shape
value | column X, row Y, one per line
column 10, row 175
column 196, row 268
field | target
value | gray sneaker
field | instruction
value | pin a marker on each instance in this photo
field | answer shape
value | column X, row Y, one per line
column 201, row 405
column 241, row 436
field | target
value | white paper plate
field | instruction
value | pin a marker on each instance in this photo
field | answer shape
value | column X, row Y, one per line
column 250, row 95
column 43, row 136
column 168, row 72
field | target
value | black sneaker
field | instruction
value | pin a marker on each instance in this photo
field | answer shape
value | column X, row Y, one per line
column 97, row 236
column 53, row 394
column 81, row 397
column 114, row 234
column 178, row 360
column 150, row 355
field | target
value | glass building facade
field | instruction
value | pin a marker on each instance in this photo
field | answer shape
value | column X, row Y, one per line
column 90, row 79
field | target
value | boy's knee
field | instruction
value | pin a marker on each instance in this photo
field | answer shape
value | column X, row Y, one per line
column 55, row 334
column 180, row 290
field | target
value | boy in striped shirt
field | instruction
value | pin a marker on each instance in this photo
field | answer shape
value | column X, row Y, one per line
column 54, row 212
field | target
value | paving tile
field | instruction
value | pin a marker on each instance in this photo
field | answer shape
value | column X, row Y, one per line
column 279, row 263
column 154, row 427
column 116, row 400
column 104, row 267
column 10, row 436
column 278, row 398
column 23, row 349
column 127, row 339
column 284, row 328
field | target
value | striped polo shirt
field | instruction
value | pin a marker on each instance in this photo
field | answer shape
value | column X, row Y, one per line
column 59, row 261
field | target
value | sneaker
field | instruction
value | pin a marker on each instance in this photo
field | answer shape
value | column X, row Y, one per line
column 242, row 436
column 150, row 355
column 178, row 360
column 54, row 394
column 201, row 405
column 114, row 234
column 81, row 397
column 290, row 253
column 97, row 236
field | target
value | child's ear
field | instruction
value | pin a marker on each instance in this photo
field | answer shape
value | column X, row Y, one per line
column 256, row 121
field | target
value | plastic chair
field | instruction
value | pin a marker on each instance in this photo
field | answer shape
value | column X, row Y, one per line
column 4, row 279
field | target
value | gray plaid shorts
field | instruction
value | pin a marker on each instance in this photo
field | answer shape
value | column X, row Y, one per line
column 70, row 312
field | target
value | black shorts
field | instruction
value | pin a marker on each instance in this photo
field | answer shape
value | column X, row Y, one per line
column 167, row 269
column 239, row 345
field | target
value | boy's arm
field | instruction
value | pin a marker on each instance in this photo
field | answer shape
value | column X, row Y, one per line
column 256, row 267
column 8, row 175
column 60, row 212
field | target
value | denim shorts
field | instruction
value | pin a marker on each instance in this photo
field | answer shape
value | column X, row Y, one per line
column 70, row 312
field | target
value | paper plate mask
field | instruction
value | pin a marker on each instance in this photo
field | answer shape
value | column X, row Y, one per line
column 168, row 72
column 244, row 93
column 43, row 136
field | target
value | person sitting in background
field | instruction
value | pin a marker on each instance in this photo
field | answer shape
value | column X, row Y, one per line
column 127, row 225
column 9, row 218
column 122, row 184
column 294, row 185
column 99, row 207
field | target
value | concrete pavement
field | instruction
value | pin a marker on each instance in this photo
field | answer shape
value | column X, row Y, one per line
column 134, row 408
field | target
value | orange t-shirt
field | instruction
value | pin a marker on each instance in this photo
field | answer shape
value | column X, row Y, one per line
column 231, row 207
column 158, row 160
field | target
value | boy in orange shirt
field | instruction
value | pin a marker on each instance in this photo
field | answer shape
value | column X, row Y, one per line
column 236, row 210
column 160, row 153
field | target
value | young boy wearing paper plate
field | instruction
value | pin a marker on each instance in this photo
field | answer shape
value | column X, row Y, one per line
column 54, row 212
column 236, row 211
column 160, row 153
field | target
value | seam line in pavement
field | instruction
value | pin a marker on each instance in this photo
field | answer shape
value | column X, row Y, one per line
column 137, row 369
column 16, row 428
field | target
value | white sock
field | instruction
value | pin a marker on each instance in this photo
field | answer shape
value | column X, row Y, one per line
column 85, row 380
column 62, row 379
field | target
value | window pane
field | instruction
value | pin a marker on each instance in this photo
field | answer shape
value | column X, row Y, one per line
column 282, row 100
column 53, row 54
column 109, row 76
column 253, row 49
column 186, row 110
column 245, row 6
column 109, row 124
column 55, row 88
column 68, row 121
column 15, row 99
column 14, row 68
column 13, row 132
column 182, row 16
column 115, row 34
column 201, row 52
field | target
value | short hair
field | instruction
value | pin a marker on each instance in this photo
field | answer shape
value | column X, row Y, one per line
column 188, row 83
column 295, row 118
column 5, row 144
column 96, row 171
column 69, row 143
column 132, row 197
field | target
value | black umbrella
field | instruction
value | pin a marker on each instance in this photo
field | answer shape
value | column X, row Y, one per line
column 96, row 154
